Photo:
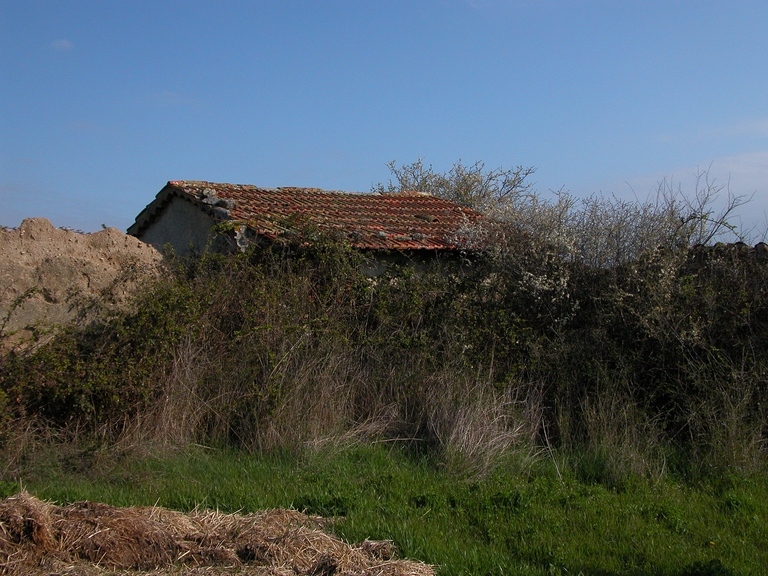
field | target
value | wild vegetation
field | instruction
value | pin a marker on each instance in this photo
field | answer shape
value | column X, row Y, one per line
column 612, row 343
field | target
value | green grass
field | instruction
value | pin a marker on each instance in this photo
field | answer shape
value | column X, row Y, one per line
column 509, row 523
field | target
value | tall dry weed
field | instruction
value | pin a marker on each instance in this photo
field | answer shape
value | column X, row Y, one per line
column 176, row 416
column 727, row 423
column 622, row 440
column 478, row 426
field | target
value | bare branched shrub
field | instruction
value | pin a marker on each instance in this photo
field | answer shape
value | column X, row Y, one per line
column 474, row 186
column 606, row 231
column 706, row 214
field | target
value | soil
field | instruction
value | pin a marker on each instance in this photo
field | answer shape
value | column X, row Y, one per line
column 51, row 276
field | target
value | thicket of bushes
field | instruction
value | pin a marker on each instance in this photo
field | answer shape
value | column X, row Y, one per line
column 590, row 330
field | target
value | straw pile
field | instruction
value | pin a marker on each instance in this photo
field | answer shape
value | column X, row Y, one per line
column 91, row 539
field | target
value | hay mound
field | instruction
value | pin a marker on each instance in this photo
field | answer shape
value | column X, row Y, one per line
column 87, row 538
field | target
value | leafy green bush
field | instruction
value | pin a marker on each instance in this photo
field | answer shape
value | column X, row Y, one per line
column 625, row 347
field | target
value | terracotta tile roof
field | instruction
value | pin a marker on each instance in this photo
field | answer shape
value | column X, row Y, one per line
column 402, row 221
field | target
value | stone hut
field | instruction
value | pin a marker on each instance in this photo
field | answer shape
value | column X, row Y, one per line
column 408, row 224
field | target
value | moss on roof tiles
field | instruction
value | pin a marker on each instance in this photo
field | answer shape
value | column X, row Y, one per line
column 400, row 221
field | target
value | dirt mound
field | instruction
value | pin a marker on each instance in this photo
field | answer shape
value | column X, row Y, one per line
column 49, row 275
column 39, row 538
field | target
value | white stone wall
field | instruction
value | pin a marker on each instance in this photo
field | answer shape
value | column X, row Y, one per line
column 182, row 225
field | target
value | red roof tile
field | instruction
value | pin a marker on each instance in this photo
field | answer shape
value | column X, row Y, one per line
column 401, row 221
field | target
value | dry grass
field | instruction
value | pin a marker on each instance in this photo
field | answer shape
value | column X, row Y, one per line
column 39, row 538
column 477, row 425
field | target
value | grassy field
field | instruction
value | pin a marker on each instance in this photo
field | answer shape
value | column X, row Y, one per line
column 536, row 519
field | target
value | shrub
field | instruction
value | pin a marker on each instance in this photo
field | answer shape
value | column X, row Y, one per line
column 595, row 328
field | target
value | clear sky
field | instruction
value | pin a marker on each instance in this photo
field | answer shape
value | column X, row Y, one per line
column 102, row 102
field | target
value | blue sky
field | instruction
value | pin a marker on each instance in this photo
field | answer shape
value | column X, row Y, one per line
column 102, row 102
